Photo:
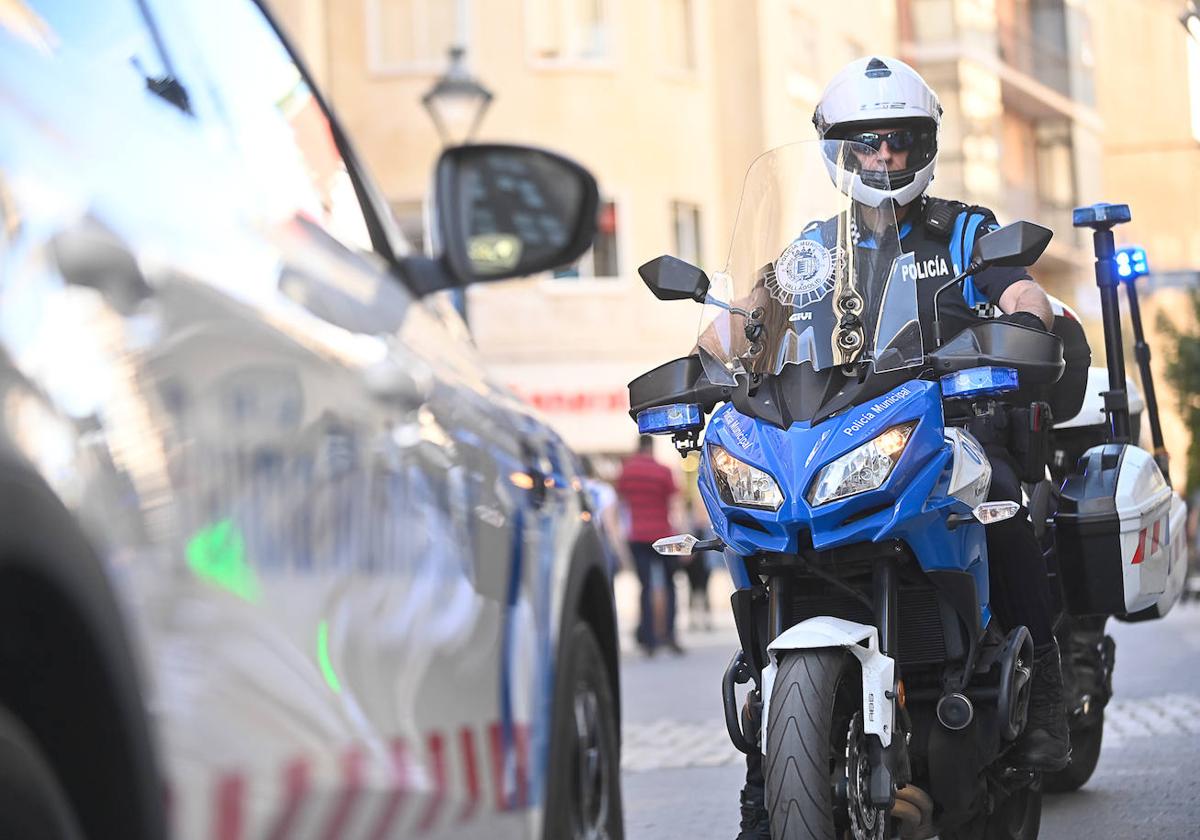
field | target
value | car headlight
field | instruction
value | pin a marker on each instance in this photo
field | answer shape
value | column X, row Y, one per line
column 861, row 469
column 741, row 484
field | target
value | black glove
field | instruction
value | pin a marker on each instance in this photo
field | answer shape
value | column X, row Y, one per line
column 1024, row 319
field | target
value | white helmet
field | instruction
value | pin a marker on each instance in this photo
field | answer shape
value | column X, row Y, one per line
column 874, row 92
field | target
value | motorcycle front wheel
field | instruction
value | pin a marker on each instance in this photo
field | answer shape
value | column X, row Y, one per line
column 814, row 747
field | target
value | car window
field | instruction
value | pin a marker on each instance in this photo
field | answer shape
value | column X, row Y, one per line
column 112, row 37
column 278, row 125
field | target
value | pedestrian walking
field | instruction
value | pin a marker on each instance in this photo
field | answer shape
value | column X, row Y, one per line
column 602, row 497
column 698, row 569
column 646, row 489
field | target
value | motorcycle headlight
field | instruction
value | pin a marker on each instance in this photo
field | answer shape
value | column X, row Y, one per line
column 741, row 484
column 861, row 469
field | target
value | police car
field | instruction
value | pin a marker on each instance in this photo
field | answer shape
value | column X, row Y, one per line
column 276, row 558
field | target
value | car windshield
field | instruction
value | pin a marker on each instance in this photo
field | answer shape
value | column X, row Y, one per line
column 814, row 276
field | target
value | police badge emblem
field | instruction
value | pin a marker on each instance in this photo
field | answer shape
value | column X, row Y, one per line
column 805, row 273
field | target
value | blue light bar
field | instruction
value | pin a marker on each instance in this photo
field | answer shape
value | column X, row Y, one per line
column 977, row 381
column 667, row 419
column 1112, row 213
column 1132, row 262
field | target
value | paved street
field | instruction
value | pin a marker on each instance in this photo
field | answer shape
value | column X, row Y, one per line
column 681, row 775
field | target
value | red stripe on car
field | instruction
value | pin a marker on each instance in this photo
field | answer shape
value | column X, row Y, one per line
column 496, row 741
column 506, row 798
column 398, row 795
column 230, row 802
column 296, row 780
column 521, row 737
column 437, row 764
column 352, row 781
column 466, row 739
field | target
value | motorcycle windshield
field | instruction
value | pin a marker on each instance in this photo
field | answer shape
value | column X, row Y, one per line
column 814, row 276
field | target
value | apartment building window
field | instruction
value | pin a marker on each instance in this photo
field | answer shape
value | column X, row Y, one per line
column 1193, row 60
column 1018, row 163
column 678, row 35
column 804, row 58
column 1055, row 164
column 852, row 49
column 569, row 31
column 410, row 36
column 410, row 218
column 603, row 259
column 686, row 219
column 932, row 21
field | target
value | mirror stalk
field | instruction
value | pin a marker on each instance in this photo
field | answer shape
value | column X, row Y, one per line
column 729, row 307
column 937, row 321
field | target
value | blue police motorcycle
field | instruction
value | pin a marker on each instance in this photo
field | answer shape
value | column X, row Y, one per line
column 850, row 502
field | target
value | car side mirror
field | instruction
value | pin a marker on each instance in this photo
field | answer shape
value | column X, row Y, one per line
column 508, row 211
column 670, row 278
column 1017, row 244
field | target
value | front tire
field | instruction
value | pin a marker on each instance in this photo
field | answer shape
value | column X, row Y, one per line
column 813, row 704
column 584, row 790
column 33, row 805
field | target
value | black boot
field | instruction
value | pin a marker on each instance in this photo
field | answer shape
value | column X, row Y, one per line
column 755, row 824
column 1045, row 744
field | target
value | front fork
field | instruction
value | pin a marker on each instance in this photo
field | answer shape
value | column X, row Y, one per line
column 761, row 615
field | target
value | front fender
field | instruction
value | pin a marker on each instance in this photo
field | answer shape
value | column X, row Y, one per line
column 878, row 670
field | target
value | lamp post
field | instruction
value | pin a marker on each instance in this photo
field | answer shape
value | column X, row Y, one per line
column 457, row 101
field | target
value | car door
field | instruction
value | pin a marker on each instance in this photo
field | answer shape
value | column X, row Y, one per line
column 363, row 695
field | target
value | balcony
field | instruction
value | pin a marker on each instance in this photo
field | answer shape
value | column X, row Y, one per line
column 1034, row 56
column 1029, row 56
column 1067, row 252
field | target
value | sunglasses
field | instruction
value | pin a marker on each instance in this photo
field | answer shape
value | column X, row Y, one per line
column 900, row 140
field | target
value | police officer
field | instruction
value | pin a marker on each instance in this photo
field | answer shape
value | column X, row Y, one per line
column 888, row 110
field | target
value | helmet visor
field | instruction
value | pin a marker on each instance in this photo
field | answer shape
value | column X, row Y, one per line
column 897, row 151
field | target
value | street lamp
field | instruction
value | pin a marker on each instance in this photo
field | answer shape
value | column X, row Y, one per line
column 1190, row 18
column 457, row 101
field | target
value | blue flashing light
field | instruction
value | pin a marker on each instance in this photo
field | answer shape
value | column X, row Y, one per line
column 1101, row 213
column 1132, row 262
column 668, row 419
column 978, row 381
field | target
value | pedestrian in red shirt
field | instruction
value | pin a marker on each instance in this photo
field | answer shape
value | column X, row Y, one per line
column 646, row 488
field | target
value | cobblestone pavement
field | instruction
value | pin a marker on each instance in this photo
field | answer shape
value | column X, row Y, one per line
column 682, row 776
column 665, row 744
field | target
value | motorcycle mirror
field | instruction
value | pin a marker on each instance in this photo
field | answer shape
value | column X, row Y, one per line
column 670, row 278
column 510, row 211
column 1017, row 244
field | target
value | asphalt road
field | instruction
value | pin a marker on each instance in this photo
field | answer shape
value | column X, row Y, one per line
column 682, row 776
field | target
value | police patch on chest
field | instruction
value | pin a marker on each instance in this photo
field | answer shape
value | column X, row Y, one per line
column 935, row 266
column 805, row 273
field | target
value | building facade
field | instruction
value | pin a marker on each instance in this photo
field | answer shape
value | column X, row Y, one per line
column 1021, row 132
column 667, row 102
column 1148, row 93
